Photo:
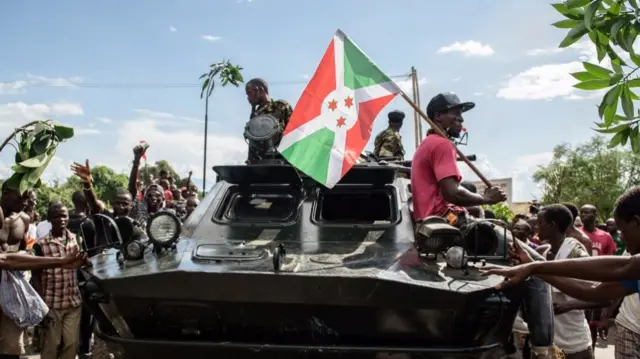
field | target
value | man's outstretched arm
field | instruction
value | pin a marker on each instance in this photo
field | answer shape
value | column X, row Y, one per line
column 597, row 269
column 19, row 261
column 599, row 293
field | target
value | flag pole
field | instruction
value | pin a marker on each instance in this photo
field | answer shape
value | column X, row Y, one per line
column 439, row 130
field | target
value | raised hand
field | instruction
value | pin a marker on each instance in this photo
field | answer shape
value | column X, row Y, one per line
column 139, row 151
column 83, row 172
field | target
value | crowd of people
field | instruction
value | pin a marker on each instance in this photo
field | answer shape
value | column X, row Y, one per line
column 45, row 254
column 559, row 317
column 562, row 231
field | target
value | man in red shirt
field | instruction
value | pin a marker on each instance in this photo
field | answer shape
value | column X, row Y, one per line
column 601, row 241
column 435, row 176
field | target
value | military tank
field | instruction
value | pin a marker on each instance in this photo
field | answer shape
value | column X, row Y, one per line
column 272, row 264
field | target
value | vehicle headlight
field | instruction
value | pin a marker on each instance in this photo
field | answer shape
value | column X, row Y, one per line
column 456, row 257
column 134, row 250
column 163, row 228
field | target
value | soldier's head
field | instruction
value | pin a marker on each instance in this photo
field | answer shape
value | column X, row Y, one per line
column 445, row 109
column 395, row 119
column 257, row 91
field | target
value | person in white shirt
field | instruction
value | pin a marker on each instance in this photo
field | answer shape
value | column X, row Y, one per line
column 628, row 327
column 572, row 335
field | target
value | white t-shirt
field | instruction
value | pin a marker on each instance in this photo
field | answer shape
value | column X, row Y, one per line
column 629, row 314
column 572, row 333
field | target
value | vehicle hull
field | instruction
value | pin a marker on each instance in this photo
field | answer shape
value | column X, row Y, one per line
column 145, row 348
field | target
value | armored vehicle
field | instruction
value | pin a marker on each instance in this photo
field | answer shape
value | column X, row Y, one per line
column 272, row 264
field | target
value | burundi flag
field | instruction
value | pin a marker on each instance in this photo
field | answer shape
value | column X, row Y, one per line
column 332, row 121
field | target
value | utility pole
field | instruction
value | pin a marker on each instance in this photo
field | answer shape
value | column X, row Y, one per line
column 417, row 121
column 416, row 133
column 417, row 97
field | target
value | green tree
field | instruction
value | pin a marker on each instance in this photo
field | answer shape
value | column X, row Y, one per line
column 502, row 211
column 590, row 173
column 106, row 182
column 227, row 74
column 612, row 26
column 148, row 171
column 48, row 193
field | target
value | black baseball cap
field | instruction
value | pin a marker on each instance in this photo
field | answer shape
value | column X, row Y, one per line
column 396, row 116
column 446, row 101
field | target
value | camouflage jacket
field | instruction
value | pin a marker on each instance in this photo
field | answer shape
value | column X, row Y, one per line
column 279, row 109
column 388, row 143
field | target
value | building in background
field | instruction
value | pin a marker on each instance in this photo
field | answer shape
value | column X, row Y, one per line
column 505, row 183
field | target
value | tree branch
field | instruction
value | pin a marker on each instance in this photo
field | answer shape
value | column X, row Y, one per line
column 15, row 132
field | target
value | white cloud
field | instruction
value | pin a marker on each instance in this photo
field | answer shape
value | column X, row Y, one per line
column 545, row 51
column 20, row 87
column 59, row 169
column 104, row 119
column 468, row 48
column 15, row 114
column 172, row 29
column 520, row 170
column 54, row 81
column 13, row 88
column 550, row 81
column 86, row 131
column 211, row 38
column 406, row 86
column 165, row 116
column 305, row 76
column 182, row 148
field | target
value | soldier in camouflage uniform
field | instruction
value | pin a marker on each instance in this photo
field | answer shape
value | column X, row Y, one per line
column 388, row 143
column 261, row 104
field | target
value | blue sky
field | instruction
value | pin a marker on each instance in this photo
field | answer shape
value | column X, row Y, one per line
column 121, row 72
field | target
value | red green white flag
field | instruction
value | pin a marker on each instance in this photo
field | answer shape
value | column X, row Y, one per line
column 332, row 121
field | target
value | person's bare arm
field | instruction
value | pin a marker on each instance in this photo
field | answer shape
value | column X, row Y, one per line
column 1, row 218
column 133, row 178
column 84, row 173
column 138, row 151
column 600, row 293
column 26, row 220
column 458, row 195
column 188, row 185
column 591, row 268
column 582, row 305
column 19, row 261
